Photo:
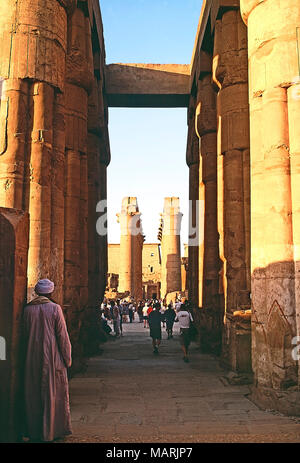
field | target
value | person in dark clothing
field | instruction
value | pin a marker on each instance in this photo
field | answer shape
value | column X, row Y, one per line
column 155, row 319
column 170, row 315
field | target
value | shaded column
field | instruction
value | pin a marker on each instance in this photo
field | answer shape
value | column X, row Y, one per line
column 79, row 80
column 210, row 317
column 273, row 42
column 196, row 198
column 230, row 74
column 206, row 125
column 42, row 99
column 58, row 198
column 14, row 232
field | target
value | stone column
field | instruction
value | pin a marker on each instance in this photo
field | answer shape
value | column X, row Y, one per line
column 42, row 96
column 196, row 197
column 170, row 249
column 273, row 51
column 33, row 68
column 130, row 279
column 79, row 81
column 206, row 129
column 14, row 232
column 230, row 74
column 58, row 198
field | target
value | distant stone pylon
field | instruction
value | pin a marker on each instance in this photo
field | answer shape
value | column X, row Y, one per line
column 169, row 235
column 131, row 248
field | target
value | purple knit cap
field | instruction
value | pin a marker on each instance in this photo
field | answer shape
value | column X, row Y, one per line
column 44, row 287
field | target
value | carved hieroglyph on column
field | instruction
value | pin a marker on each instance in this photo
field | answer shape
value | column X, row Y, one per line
column 273, row 50
column 230, row 74
column 170, row 247
column 34, row 37
column 47, row 70
column 131, row 246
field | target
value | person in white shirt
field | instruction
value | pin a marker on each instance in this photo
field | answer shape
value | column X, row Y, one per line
column 184, row 318
column 178, row 305
column 145, row 315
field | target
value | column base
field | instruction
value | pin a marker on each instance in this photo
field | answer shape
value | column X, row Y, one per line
column 286, row 402
column 236, row 342
column 210, row 325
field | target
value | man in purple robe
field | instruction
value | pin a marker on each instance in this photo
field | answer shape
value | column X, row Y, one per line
column 48, row 355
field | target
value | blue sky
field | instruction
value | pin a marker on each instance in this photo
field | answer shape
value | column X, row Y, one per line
column 148, row 145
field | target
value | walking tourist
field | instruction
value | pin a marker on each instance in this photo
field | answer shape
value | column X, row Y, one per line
column 155, row 327
column 145, row 315
column 120, row 314
column 116, row 319
column 170, row 316
column 184, row 318
column 131, row 312
column 140, row 311
column 48, row 355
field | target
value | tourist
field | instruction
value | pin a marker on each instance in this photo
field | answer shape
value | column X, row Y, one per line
column 178, row 305
column 116, row 319
column 106, row 328
column 170, row 316
column 120, row 314
column 155, row 327
column 162, row 312
column 184, row 318
column 145, row 315
column 131, row 312
column 48, row 355
column 140, row 311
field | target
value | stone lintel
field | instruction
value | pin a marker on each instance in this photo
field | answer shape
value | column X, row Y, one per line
column 147, row 85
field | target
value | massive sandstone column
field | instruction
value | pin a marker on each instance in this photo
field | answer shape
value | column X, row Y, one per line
column 131, row 245
column 32, row 57
column 170, row 248
column 206, row 128
column 14, row 232
column 230, row 74
column 79, row 81
column 273, row 51
column 196, row 210
column 48, row 62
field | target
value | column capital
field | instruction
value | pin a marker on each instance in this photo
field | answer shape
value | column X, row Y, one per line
column 247, row 6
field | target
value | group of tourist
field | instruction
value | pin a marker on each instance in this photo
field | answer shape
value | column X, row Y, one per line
column 48, row 353
column 154, row 314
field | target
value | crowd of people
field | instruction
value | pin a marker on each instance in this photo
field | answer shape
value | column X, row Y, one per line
column 47, row 351
column 154, row 315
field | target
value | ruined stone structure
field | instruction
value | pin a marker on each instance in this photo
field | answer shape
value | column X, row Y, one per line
column 169, row 235
column 158, row 268
column 151, row 271
column 243, row 100
column 131, row 249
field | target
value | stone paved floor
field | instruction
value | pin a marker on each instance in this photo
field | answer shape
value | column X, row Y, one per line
column 129, row 395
